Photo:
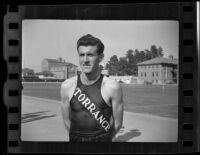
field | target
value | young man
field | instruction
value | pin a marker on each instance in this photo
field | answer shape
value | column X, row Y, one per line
column 92, row 104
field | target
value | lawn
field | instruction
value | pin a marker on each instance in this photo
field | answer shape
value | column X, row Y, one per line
column 151, row 99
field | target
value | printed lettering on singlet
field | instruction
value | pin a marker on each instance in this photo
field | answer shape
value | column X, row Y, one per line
column 92, row 109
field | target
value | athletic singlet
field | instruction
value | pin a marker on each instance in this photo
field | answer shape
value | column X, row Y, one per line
column 89, row 114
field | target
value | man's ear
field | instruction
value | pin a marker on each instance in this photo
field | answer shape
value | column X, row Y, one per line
column 101, row 56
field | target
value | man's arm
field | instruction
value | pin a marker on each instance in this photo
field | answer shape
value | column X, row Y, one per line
column 65, row 105
column 117, row 107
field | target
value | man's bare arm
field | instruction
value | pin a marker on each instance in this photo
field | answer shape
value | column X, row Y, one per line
column 65, row 105
column 117, row 107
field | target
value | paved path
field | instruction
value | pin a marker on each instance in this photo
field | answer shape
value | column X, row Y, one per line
column 42, row 121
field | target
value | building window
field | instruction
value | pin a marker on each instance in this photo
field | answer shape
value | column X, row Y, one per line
column 141, row 74
column 152, row 74
column 156, row 73
column 145, row 74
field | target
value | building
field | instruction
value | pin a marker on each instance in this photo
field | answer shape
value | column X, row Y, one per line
column 60, row 68
column 158, row 71
column 27, row 72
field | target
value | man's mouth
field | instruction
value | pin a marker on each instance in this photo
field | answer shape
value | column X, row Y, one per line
column 86, row 65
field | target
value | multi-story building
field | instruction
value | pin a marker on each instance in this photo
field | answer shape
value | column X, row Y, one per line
column 60, row 68
column 158, row 70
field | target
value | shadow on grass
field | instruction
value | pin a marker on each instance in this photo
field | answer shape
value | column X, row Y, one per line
column 128, row 135
column 29, row 117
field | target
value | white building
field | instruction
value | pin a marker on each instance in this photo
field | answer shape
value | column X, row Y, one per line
column 158, row 70
column 60, row 68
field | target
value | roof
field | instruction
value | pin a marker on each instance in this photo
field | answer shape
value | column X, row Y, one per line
column 57, row 61
column 159, row 60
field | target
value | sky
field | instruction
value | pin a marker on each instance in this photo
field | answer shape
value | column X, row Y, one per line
column 57, row 38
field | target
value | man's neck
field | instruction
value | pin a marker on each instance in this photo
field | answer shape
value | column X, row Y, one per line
column 90, row 77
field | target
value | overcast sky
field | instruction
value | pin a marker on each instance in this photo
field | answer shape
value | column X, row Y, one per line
column 57, row 38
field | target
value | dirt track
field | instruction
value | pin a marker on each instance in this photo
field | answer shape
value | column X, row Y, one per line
column 42, row 121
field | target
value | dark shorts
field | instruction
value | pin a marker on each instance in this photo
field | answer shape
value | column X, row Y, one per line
column 106, row 137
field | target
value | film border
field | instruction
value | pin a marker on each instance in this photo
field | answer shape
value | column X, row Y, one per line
column 189, row 48
column 187, row 81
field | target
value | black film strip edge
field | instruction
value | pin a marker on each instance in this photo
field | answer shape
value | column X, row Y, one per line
column 12, row 55
column 188, row 42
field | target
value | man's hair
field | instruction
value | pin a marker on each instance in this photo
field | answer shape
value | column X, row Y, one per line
column 89, row 40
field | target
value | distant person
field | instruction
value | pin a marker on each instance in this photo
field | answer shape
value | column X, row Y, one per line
column 92, row 104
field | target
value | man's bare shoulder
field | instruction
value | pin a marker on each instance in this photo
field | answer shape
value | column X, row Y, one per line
column 69, row 82
column 111, row 84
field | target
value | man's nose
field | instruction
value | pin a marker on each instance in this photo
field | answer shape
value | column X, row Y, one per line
column 86, row 58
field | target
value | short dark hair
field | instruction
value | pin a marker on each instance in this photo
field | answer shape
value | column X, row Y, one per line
column 89, row 40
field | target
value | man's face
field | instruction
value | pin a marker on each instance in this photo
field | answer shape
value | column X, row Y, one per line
column 88, row 58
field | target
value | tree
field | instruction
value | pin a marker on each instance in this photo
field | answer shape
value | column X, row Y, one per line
column 148, row 55
column 142, row 57
column 138, row 56
column 154, row 51
column 113, row 65
column 160, row 52
column 123, row 66
column 130, row 62
column 128, row 65
column 129, row 56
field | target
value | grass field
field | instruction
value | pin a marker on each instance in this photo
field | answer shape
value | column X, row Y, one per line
column 151, row 99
